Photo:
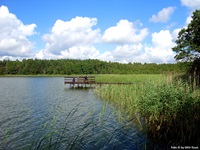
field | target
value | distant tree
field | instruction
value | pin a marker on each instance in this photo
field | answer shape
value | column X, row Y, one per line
column 2, row 67
column 188, row 42
column 88, row 66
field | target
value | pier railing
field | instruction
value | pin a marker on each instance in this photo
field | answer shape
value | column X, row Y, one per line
column 79, row 80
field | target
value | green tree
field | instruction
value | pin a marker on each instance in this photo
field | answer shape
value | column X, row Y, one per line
column 188, row 42
column 2, row 67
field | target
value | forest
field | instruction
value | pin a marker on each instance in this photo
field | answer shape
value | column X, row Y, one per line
column 88, row 66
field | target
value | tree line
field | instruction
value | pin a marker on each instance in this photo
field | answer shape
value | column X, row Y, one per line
column 88, row 66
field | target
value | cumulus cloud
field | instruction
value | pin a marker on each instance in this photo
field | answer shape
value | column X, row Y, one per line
column 77, row 40
column 13, row 35
column 66, row 37
column 163, row 15
column 106, row 56
column 162, row 39
column 124, row 33
column 192, row 4
column 81, row 52
column 175, row 34
column 127, row 53
column 158, row 51
column 189, row 19
column 161, row 49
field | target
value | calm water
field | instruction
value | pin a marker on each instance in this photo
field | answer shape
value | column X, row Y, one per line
column 39, row 112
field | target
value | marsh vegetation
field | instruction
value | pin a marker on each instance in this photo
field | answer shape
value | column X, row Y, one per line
column 166, row 107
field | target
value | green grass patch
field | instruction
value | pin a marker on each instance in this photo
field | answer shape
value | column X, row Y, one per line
column 128, row 78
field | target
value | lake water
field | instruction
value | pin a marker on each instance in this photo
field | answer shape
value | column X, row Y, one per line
column 43, row 113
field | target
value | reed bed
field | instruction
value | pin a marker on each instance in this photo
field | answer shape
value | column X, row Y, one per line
column 167, row 108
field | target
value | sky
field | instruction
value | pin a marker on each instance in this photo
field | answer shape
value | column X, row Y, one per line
column 110, row 30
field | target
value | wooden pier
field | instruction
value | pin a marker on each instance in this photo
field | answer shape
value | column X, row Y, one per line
column 83, row 81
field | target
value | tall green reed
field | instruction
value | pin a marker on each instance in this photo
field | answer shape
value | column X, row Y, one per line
column 167, row 108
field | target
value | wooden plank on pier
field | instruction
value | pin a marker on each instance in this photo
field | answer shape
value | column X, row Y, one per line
column 80, row 80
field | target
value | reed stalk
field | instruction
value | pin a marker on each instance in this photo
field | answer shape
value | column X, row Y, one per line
column 169, row 107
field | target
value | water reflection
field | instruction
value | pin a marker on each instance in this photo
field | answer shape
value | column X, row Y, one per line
column 42, row 112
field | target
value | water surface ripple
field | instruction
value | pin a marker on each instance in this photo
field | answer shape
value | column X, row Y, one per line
column 33, row 107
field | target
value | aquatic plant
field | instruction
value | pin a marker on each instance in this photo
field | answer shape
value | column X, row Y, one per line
column 167, row 108
column 93, row 133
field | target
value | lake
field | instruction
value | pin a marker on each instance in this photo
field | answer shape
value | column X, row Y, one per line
column 43, row 113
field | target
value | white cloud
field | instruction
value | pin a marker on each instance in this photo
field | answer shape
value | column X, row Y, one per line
column 175, row 34
column 77, row 38
column 126, row 53
column 81, row 52
column 77, row 33
column 106, row 56
column 124, row 33
column 74, row 52
column 161, row 49
column 13, row 35
column 81, row 40
column 192, row 4
column 162, row 39
column 44, row 54
column 163, row 15
column 189, row 19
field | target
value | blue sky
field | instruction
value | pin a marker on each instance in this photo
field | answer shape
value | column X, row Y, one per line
column 121, row 31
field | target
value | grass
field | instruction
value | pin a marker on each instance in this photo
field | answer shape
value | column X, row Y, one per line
column 166, row 107
column 135, row 78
